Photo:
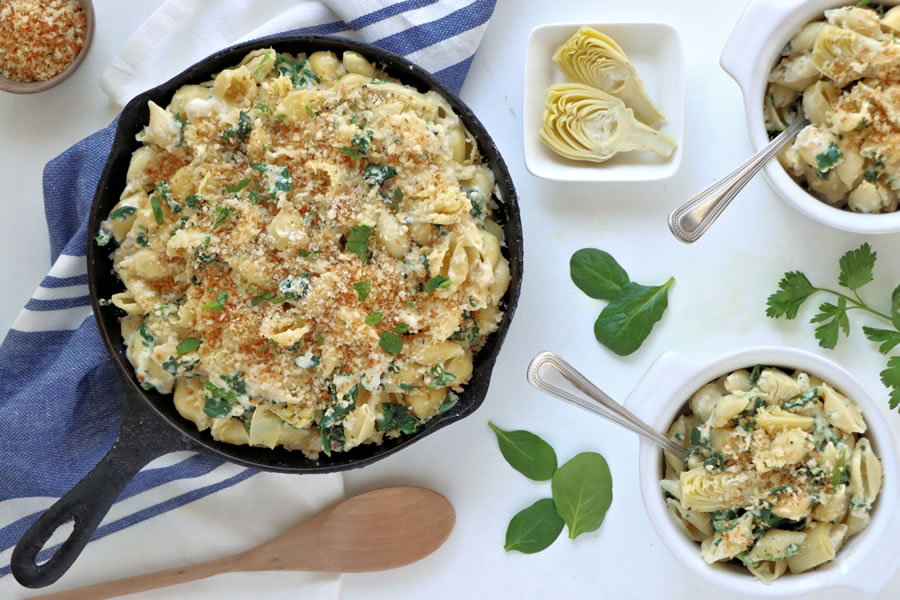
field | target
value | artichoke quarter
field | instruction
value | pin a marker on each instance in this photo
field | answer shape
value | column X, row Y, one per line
column 594, row 59
column 584, row 123
column 844, row 55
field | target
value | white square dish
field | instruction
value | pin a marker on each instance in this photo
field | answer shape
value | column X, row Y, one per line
column 656, row 52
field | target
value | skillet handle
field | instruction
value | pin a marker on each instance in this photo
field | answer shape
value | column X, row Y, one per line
column 142, row 437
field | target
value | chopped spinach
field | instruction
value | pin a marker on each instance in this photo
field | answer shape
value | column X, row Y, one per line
column 397, row 416
column 375, row 175
column 331, row 428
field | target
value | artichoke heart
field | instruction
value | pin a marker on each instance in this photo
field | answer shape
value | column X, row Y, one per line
column 594, row 59
column 703, row 491
column 584, row 123
column 844, row 55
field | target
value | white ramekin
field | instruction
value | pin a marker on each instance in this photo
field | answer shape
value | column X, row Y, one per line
column 865, row 563
column 749, row 55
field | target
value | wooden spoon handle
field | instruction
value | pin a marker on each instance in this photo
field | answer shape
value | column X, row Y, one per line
column 148, row 581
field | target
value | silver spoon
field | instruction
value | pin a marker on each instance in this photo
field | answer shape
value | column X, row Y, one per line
column 691, row 220
column 599, row 403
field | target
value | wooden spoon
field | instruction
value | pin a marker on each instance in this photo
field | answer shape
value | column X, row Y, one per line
column 377, row 530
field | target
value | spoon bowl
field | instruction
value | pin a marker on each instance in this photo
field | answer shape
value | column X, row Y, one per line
column 374, row 531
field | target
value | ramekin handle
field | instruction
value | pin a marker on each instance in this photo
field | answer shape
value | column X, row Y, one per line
column 750, row 35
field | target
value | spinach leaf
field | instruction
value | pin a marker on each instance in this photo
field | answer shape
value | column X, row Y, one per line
column 754, row 375
column 439, row 377
column 241, row 131
column 123, row 212
column 627, row 320
column 534, row 528
column 103, row 237
column 375, row 175
column 294, row 288
column 148, row 338
column 803, row 399
column 597, row 274
column 447, row 403
column 526, row 453
column 397, row 416
column 331, row 428
column 215, row 407
column 582, row 492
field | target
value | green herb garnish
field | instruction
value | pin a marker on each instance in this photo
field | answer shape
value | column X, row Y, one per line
column 187, row 345
column 358, row 240
column 217, row 305
column 390, row 342
column 374, row 318
column 856, row 270
column 438, row 281
column 363, row 288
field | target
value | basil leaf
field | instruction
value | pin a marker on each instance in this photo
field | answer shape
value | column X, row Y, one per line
column 626, row 321
column 597, row 274
column 362, row 289
column 358, row 240
column 533, row 528
column 438, row 281
column 390, row 342
column 582, row 492
column 526, row 453
column 187, row 345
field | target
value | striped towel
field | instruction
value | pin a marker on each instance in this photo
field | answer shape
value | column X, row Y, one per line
column 59, row 396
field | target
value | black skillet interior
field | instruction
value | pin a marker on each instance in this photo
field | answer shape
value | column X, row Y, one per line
column 104, row 283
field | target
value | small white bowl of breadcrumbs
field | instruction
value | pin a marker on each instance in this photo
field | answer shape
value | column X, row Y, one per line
column 42, row 42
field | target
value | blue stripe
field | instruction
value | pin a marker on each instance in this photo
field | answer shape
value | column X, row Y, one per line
column 60, row 304
column 52, row 282
column 421, row 36
column 363, row 21
column 454, row 75
column 190, row 468
column 149, row 512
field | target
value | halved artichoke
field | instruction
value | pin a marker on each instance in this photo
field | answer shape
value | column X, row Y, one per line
column 584, row 123
column 844, row 55
column 594, row 59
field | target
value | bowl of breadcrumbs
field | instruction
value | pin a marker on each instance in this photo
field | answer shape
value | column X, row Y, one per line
column 42, row 42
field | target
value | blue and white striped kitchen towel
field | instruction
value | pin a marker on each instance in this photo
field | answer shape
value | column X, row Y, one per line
column 59, row 404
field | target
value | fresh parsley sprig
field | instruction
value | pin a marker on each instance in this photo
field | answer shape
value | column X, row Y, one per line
column 856, row 270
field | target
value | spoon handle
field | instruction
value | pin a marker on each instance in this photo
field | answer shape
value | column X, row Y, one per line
column 148, row 581
column 602, row 404
column 691, row 220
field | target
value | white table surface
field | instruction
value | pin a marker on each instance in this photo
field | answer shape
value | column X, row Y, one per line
column 716, row 305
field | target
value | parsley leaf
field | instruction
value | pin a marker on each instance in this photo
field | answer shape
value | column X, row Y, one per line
column 794, row 289
column 390, row 342
column 401, row 328
column 888, row 338
column 890, row 377
column 234, row 189
column 856, row 267
column 307, row 253
column 358, row 240
column 438, row 281
column 362, row 289
column 188, row 345
column 374, row 318
column 223, row 213
column 830, row 158
column 834, row 319
column 217, row 305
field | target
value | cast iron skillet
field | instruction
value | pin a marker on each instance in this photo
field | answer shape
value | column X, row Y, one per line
column 151, row 426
